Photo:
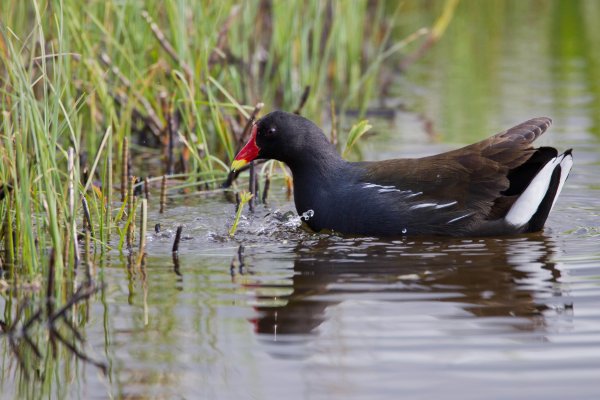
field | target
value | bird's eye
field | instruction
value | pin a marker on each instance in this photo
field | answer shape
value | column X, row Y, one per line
column 272, row 131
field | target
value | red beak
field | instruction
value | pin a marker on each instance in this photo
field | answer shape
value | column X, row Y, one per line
column 248, row 153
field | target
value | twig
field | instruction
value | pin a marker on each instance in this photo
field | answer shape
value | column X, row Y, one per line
column 131, row 213
column 143, row 225
column 151, row 118
column 87, row 221
column 218, row 51
column 266, row 187
column 87, row 249
column 302, row 100
column 160, row 36
column 50, row 285
column 163, row 194
column 109, row 192
column 256, row 187
column 72, row 215
column 124, row 165
column 137, row 187
column 177, row 239
column 252, row 186
column 172, row 128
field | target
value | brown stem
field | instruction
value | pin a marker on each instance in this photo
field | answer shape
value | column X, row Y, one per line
column 302, row 100
column 266, row 188
column 160, row 36
column 163, row 194
column 151, row 119
column 177, row 239
column 124, row 167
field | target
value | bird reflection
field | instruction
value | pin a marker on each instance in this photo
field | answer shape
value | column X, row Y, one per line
column 491, row 277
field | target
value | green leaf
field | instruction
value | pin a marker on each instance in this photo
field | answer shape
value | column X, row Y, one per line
column 355, row 134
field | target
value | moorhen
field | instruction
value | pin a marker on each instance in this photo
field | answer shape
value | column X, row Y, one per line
column 499, row 186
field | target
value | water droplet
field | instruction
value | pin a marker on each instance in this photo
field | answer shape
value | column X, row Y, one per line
column 404, row 230
column 307, row 215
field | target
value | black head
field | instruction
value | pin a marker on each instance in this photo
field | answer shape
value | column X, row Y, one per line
column 285, row 137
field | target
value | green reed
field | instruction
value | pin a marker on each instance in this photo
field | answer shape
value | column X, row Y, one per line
column 185, row 73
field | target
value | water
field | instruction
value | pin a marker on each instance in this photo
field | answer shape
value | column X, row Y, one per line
column 317, row 316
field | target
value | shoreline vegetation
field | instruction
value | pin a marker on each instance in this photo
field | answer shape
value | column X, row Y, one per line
column 96, row 97
column 84, row 88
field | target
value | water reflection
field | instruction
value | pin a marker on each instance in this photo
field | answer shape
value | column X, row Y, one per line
column 486, row 277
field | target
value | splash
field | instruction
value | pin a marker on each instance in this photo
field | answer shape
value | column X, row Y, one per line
column 307, row 215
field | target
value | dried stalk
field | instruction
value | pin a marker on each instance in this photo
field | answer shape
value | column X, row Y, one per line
column 146, row 188
column 71, row 191
column 177, row 239
column 151, row 118
column 124, row 168
column 131, row 213
column 266, row 187
column 160, row 36
column 252, row 186
column 163, row 194
column 303, row 99
column 143, row 225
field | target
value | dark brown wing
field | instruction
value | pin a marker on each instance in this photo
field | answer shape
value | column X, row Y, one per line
column 480, row 177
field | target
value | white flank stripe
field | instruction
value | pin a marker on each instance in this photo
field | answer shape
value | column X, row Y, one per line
column 565, row 168
column 445, row 205
column 434, row 205
column 528, row 202
column 423, row 205
column 459, row 218
column 388, row 190
column 374, row 185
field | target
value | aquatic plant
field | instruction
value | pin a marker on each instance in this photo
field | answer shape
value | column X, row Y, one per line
column 173, row 80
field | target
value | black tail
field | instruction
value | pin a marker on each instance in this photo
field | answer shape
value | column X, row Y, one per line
column 537, row 183
column 559, row 176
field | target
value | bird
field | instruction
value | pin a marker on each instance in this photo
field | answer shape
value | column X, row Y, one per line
column 499, row 186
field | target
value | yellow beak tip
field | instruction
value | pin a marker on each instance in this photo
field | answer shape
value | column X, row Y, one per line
column 237, row 164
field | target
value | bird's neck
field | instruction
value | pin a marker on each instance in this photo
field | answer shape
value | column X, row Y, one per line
column 317, row 178
column 317, row 166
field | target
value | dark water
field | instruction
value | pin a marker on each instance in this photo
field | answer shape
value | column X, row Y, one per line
column 317, row 317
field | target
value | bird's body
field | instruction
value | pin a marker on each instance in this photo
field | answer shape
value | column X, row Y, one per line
column 501, row 185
